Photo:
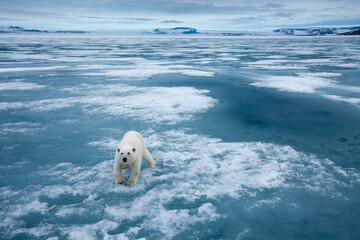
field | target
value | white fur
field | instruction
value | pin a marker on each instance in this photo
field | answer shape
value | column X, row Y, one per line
column 132, row 147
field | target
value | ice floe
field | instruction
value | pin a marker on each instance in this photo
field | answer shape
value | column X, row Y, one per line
column 193, row 173
column 143, row 69
column 20, row 127
column 299, row 82
column 19, row 86
column 343, row 99
column 166, row 105
column 22, row 69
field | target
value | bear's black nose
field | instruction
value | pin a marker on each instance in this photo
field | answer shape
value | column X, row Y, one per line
column 124, row 159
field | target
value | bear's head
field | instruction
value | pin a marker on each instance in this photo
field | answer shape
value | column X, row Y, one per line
column 125, row 154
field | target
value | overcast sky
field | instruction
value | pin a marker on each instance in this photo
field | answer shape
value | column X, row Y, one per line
column 201, row 14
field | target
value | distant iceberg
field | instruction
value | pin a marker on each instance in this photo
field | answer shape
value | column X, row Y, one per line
column 175, row 31
column 317, row 31
column 17, row 29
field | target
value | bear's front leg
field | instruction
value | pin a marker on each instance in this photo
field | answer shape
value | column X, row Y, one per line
column 120, row 180
column 117, row 171
column 135, row 170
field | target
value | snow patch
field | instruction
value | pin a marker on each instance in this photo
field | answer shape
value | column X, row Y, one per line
column 22, row 69
column 343, row 99
column 19, row 86
column 141, row 69
column 300, row 82
column 162, row 105
column 20, row 127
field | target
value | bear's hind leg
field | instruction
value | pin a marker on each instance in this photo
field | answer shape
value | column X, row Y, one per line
column 147, row 157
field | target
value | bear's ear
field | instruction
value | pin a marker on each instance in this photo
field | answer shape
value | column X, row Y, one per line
column 118, row 149
column 133, row 149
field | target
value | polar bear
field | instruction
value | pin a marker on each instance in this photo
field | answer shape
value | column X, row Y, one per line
column 129, row 153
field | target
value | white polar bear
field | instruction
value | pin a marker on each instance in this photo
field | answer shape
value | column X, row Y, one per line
column 129, row 153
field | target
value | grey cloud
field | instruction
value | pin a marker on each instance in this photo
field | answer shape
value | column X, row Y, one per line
column 210, row 8
column 171, row 21
column 19, row 12
column 139, row 19
column 11, row 19
column 323, row 15
column 138, row 6
column 94, row 17
column 118, row 20
column 109, row 13
column 273, row 5
column 187, row 7
column 246, row 20
column 283, row 14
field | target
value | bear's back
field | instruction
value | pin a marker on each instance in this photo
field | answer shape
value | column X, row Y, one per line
column 133, row 138
column 132, row 135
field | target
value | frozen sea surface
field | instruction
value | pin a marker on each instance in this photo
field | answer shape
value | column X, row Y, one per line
column 253, row 137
